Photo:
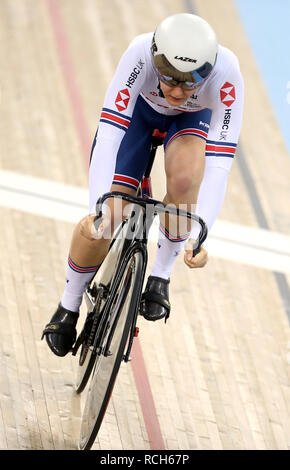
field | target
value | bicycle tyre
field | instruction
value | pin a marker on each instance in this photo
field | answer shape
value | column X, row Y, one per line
column 106, row 368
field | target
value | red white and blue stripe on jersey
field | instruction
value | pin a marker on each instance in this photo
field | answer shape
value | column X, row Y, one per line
column 124, row 180
column 220, row 149
column 115, row 119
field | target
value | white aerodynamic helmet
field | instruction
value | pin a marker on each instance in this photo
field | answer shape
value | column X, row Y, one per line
column 184, row 50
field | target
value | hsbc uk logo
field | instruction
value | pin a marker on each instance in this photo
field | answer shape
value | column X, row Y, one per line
column 122, row 100
column 228, row 94
column 135, row 73
column 226, row 124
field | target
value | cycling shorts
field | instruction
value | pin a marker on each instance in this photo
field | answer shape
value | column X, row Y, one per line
column 134, row 150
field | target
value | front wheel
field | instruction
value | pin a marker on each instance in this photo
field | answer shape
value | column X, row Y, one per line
column 106, row 367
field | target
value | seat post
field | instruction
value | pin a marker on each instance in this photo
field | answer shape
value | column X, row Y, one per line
column 156, row 140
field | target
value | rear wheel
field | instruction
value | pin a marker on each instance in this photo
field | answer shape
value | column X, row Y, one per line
column 108, row 362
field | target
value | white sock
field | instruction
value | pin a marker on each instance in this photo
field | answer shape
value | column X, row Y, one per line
column 168, row 249
column 77, row 279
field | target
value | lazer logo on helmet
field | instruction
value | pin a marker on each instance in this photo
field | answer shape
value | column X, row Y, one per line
column 185, row 59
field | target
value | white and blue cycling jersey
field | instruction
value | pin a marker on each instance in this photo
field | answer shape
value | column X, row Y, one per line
column 134, row 105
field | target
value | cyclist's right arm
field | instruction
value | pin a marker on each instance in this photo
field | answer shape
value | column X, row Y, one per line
column 115, row 118
column 124, row 89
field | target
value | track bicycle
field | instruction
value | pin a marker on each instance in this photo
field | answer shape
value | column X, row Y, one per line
column 113, row 299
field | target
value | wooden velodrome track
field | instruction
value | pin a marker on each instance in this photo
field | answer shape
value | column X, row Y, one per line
column 216, row 376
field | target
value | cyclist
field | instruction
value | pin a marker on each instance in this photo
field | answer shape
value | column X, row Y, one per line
column 179, row 80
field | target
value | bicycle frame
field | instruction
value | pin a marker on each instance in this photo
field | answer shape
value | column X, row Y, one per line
column 139, row 223
column 114, row 298
column 111, row 272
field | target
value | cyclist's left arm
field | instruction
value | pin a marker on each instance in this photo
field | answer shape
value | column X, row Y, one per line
column 225, row 126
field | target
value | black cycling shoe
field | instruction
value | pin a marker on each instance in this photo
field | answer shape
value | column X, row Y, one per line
column 60, row 333
column 155, row 303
